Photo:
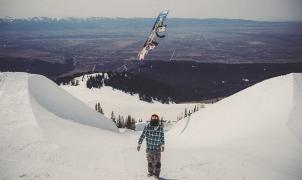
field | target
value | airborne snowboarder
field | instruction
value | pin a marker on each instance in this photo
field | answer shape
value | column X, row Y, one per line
column 158, row 27
column 155, row 140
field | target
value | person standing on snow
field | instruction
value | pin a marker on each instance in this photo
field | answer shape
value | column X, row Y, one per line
column 155, row 140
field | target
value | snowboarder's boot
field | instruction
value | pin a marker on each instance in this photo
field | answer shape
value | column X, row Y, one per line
column 149, row 175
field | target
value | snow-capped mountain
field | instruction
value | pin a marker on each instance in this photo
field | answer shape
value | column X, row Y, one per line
column 51, row 19
column 254, row 134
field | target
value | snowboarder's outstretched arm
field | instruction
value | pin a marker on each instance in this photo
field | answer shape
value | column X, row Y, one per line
column 141, row 139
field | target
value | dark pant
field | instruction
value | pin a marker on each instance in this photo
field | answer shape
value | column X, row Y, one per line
column 154, row 162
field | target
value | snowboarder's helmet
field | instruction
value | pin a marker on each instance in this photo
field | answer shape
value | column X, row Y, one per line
column 154, row 117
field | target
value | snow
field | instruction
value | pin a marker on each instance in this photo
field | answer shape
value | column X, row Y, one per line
column 254, row 134
column 38, row 143
column 124, row 104
column 260, row 109
column 259, row 127
column 65, row 105
column 294, row 122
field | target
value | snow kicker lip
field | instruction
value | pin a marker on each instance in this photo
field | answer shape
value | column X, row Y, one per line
column 60, row 103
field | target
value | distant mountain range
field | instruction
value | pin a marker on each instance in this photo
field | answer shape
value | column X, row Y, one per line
column 9, row 23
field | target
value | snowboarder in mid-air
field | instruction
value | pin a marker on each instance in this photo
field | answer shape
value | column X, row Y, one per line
column 157, row 28
column 155, row 140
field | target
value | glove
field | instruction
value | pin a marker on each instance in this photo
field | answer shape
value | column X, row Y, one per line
column 138, row 147
column 162, row 148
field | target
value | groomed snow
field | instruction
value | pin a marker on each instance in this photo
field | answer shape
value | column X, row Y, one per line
column 254, row 134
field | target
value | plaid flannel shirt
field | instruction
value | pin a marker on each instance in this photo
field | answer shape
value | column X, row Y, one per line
column 154, row 137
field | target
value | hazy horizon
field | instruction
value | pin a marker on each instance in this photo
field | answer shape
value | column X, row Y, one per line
column 184, row 18
column 270, row 10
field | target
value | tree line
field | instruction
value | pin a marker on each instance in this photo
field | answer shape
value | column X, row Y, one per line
column 189, row 112
column 147, row 89
column 120, row 121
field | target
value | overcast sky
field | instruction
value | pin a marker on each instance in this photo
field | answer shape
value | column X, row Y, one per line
column 241, row 9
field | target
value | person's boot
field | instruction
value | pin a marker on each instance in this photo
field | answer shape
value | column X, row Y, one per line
column 150, row 174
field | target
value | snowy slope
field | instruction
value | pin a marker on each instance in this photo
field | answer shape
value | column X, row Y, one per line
column 254, row 134
column 124, row 104
column 261, row 124
column 268, row 108
column 42, row 139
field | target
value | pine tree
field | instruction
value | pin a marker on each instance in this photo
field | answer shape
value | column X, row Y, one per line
column 119, row 122
column 186, row 112
column 99, row 107
column 72, row 82
column 113, row 117
column 162, row 121
column 128, row 122
column 122, row 122
column 133, row 124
